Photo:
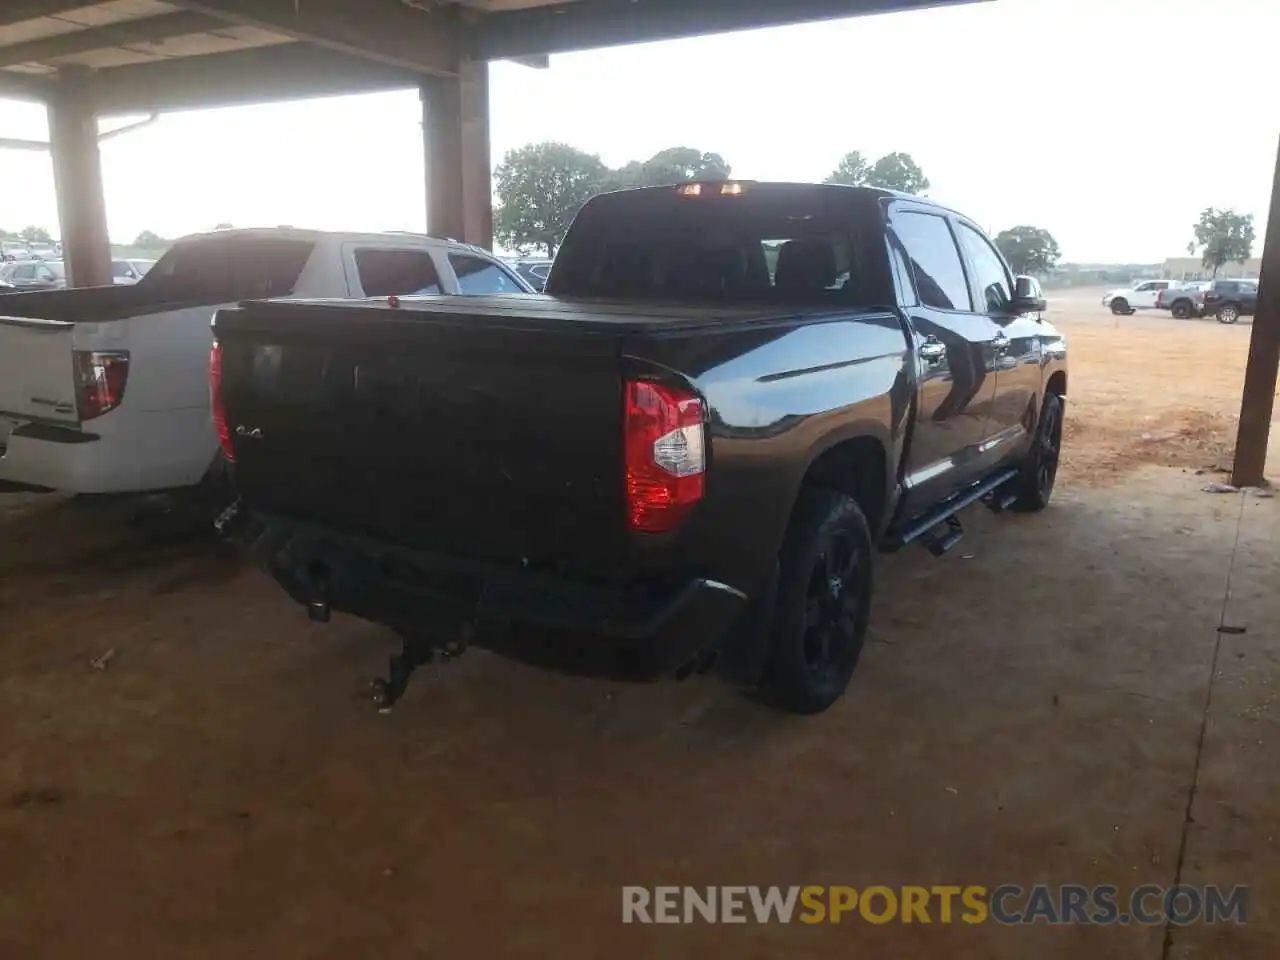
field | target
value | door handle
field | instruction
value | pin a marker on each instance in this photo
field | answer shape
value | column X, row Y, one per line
column 932, row 350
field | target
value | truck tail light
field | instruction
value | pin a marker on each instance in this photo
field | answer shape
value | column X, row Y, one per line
column 666, row 459
column 215, row 403
column 101, row 376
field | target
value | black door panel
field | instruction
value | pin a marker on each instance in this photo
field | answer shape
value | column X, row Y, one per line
column 955, row 360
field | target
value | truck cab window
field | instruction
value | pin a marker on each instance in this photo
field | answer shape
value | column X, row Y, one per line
column 477, row 276
column 995, row 289
column 769, row 249
column 396, row 273
column 935, row 260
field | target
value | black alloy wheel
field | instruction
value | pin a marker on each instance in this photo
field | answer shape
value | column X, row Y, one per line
column 1034, row 485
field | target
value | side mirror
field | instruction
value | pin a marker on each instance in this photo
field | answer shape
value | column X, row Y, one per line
column 1027, row 297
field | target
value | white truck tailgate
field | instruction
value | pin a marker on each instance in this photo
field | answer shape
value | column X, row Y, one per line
column 37, row 369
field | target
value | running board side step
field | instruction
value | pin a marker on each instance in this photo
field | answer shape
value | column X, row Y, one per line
column 945, row 513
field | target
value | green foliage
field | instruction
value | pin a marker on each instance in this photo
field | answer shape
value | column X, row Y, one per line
column 1028, row 250
column 851, row 171
column 34, row 234
column 898, row 171
column 893, row 171
column 1222, row 237
column 673, row 165
column 149, row 240
column 541, row 187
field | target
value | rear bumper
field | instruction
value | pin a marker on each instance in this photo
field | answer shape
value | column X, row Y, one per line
column 624, row 632
column 121, row 452
column 49, row 457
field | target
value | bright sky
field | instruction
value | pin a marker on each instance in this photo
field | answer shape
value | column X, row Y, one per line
column 1111, row 123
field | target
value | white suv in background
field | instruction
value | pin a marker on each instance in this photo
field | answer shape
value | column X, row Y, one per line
column 1141, row 296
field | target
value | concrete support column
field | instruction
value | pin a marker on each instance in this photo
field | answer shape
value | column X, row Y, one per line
column 455, row 141
column 77, row 178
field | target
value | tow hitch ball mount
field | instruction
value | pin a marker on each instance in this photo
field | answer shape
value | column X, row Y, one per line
column 416, row 650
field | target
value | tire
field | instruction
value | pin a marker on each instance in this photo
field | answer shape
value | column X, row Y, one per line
column 1039, row 471
column 823, row 602
column 1120, row 307
column 1181, row 310
column 1228, row 313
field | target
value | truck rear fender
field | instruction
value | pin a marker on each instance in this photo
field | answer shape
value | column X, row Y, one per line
column 857, row 460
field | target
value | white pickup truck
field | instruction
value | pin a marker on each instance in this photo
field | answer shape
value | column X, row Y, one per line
column 1140, row 296
column 105, row 389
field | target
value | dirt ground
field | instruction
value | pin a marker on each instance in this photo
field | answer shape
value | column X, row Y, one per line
column 1053, row 702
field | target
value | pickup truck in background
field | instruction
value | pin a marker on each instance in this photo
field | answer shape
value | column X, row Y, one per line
column 1183, row 300
column 1140, row 296
column 105, row 389
column 681, row 455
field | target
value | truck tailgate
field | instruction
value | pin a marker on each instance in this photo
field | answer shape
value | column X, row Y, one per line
column 486, row 440
column 37, row 372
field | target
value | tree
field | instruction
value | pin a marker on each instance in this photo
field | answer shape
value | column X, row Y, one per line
column 673, row 165
column 35, row 234
column 1028, row 249
column 852, row 170
column 893, row 171
column 1222, row 236
column 149, row 240
column 898, row 171
column 541, row 187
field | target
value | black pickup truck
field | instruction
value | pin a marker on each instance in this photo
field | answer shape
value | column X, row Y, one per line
column 687, row 452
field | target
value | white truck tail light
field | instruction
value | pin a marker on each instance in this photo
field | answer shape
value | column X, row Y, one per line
column 666, row 460
column 101, row 376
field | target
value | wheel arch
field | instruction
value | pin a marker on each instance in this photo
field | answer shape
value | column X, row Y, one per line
column 857, row 464
column 1056, row 384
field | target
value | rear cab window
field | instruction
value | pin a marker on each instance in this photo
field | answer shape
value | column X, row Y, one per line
column 791, row 246
column 229, row 268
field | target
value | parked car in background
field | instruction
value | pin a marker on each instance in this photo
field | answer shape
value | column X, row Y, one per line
column 129, row 271
column 34, row 274
column 1140, row 296
column 681, row 452
column 12, row 250
column 1183, row 300
column 105, row 389
column 43, row 251
column 534, row 271
column 1229, row 300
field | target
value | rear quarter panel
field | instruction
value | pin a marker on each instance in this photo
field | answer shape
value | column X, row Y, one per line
column 778, row 395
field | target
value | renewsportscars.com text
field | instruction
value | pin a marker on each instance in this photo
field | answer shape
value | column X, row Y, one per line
column 1067, row 904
